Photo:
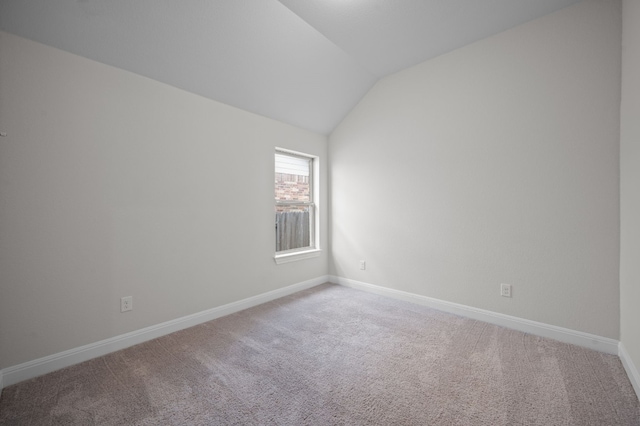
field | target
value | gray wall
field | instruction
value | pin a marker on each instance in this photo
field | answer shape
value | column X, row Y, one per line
column 496, row 163
column 113, row 185
column 630, row 182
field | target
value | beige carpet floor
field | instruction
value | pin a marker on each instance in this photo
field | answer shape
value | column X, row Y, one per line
column 334, row 356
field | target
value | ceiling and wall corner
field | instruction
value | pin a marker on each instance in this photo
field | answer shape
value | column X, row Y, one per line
column 302, row 63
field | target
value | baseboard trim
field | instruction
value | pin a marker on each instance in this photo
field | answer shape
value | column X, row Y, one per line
column 630, row 368
column 591, row 341
column 48, row 364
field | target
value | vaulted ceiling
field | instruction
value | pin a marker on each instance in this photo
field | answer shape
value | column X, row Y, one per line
column 302, row 62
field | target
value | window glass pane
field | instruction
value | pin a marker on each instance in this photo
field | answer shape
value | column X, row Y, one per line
column 293, row 227
column 292, row 178
column 294, row 204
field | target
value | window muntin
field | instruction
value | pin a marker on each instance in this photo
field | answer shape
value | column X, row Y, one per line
column 295, row 209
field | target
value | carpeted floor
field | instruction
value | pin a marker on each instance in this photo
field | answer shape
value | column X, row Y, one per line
column 332, row 356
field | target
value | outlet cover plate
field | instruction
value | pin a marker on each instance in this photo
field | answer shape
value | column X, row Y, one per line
column 505, row 290
column 126, row 303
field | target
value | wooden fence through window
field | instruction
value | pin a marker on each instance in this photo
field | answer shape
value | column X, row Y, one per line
column 292, row 230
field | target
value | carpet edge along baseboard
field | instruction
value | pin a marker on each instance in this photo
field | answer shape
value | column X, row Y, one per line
column 40, row 366
column 57, row 361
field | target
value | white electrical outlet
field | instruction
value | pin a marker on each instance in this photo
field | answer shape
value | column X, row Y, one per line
column 363, row 265
column 126, row 303
column 505, row 290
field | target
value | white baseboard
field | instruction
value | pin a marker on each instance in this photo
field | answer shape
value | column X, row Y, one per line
column 591, row 341
column 630, row 368
column 38, row 367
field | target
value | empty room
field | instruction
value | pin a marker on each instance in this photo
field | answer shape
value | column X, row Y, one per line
column 283, row 212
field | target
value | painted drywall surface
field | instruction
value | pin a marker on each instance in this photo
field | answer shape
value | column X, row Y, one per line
column 630, row 182
column 112, row 185
column 496, row 163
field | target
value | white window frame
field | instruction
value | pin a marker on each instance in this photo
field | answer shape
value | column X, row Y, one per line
column 313, row 250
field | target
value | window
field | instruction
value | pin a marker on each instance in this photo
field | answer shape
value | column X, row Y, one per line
column 295, row 206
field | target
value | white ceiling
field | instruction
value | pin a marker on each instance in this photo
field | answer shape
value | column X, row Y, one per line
column 303, row 62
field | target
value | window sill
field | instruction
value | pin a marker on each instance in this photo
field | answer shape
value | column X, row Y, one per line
column 300, row 255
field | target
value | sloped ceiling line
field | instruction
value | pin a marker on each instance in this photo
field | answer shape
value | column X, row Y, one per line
column 306, row 63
